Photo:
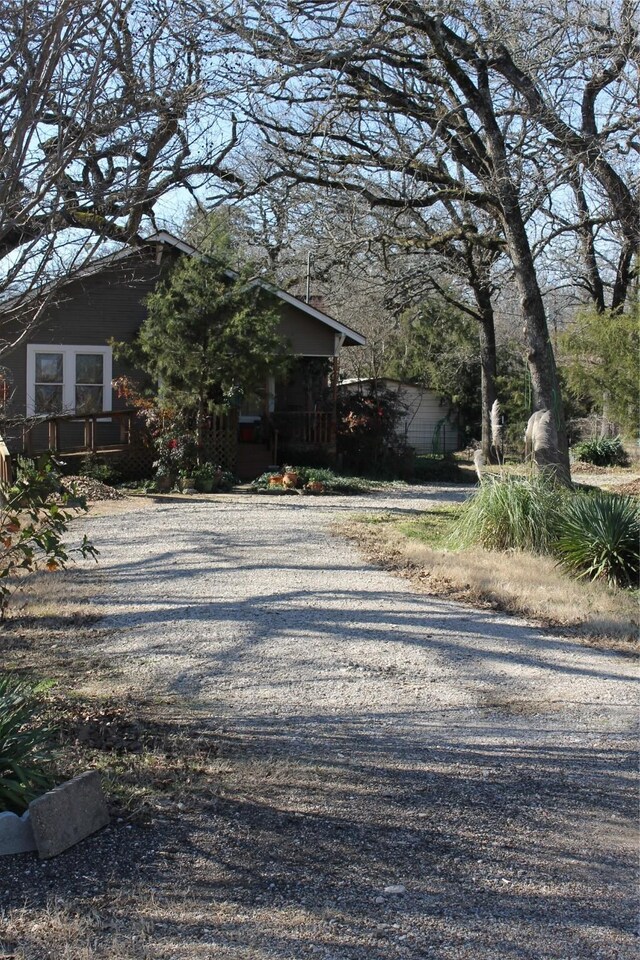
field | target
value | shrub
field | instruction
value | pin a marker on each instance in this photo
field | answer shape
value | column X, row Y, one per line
column 34, row 517
column 23, row 756
column 97, row 469
column 602, row 452
column 597, row 537
column 331, row 481
column 368, row 436
column 510, row 513
column 212, row 478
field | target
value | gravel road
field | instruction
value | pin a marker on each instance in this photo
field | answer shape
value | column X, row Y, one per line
column 378, row 740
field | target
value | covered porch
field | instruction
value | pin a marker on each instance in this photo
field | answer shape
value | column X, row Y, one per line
column 292, row 419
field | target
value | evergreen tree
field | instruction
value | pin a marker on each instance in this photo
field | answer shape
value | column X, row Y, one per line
column 600, row 360
column 210, row 337
column 437, row 347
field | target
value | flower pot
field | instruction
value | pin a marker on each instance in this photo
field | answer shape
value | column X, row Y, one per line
column 276, row 481
column 187, row 483
column 315, row 486
column 290, row 479
column 163, row 483
column 205, row 486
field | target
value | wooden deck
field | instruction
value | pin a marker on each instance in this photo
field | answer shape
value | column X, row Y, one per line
column 121, row 432
column 110, row 431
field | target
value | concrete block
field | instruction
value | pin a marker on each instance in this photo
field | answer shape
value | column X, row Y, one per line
column 16, row 833
column 68, row 813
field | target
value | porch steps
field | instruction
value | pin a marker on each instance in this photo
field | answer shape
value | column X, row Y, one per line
column 252, row 459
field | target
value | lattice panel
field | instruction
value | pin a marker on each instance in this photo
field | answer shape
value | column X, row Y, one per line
column 134, row 463
column 220, row 440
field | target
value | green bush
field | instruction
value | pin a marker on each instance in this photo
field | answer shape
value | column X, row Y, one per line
column 602, row 452
column 23, row 753
column 332, row 481
column 510, row 513
column 598, row 536
column 92, row 466
column 35, row 513
column 210, row 478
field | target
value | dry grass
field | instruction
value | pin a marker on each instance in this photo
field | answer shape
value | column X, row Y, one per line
column 105, row 932
column 517, row 582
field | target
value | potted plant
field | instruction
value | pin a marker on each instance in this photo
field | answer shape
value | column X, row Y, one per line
column 187, row 480
column 164, row 479
column 205, row 477
column 290, row 478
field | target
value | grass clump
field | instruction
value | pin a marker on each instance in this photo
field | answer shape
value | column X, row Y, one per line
column 602, row 452
column 510, row 513
column 434, row 527
column 23, row 753
column 593, row 535
column 598, row 536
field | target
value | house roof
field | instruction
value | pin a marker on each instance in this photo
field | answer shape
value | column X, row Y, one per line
column 351, row 338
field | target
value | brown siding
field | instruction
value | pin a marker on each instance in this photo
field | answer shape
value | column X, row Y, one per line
column 307, row 336
column 91, row 310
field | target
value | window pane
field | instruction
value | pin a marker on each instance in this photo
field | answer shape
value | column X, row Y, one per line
column 48, row 368
column 88, row 399
column 48, row 399
column 89, row 367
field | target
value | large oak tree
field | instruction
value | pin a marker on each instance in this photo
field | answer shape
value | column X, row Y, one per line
column 413, row 105
column 105, row 107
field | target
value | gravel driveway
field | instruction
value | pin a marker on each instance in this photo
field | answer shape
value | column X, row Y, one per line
column 405, row 776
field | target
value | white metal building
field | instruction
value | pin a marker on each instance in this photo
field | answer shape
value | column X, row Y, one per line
column 430, row 424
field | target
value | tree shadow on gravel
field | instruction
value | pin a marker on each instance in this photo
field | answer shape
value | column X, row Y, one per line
column 504, row 848
column 479, row 642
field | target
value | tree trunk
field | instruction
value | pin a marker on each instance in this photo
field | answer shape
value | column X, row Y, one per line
column 541, row 361
column 542, row 366
column 488, row 367
column 623, row 276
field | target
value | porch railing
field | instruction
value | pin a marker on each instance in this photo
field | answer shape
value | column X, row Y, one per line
column 109, row 422
column 317, row 428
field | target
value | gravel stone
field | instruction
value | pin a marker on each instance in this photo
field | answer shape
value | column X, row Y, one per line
column 367, row 732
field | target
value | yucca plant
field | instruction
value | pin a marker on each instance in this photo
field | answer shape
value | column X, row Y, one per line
column 602, row 452
column 23, row 753
column 598, row 536
column 510, row 512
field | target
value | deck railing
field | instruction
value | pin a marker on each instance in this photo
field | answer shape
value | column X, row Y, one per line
column 317, row 428
column 92, row 425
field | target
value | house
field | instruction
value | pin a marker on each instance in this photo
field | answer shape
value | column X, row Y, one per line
column 430, row 424
column 61, row 377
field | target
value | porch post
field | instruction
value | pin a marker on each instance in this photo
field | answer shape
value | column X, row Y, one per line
column 335, row 373
column 335, row 376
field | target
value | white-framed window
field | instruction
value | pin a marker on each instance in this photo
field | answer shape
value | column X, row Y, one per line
column 68, row 379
